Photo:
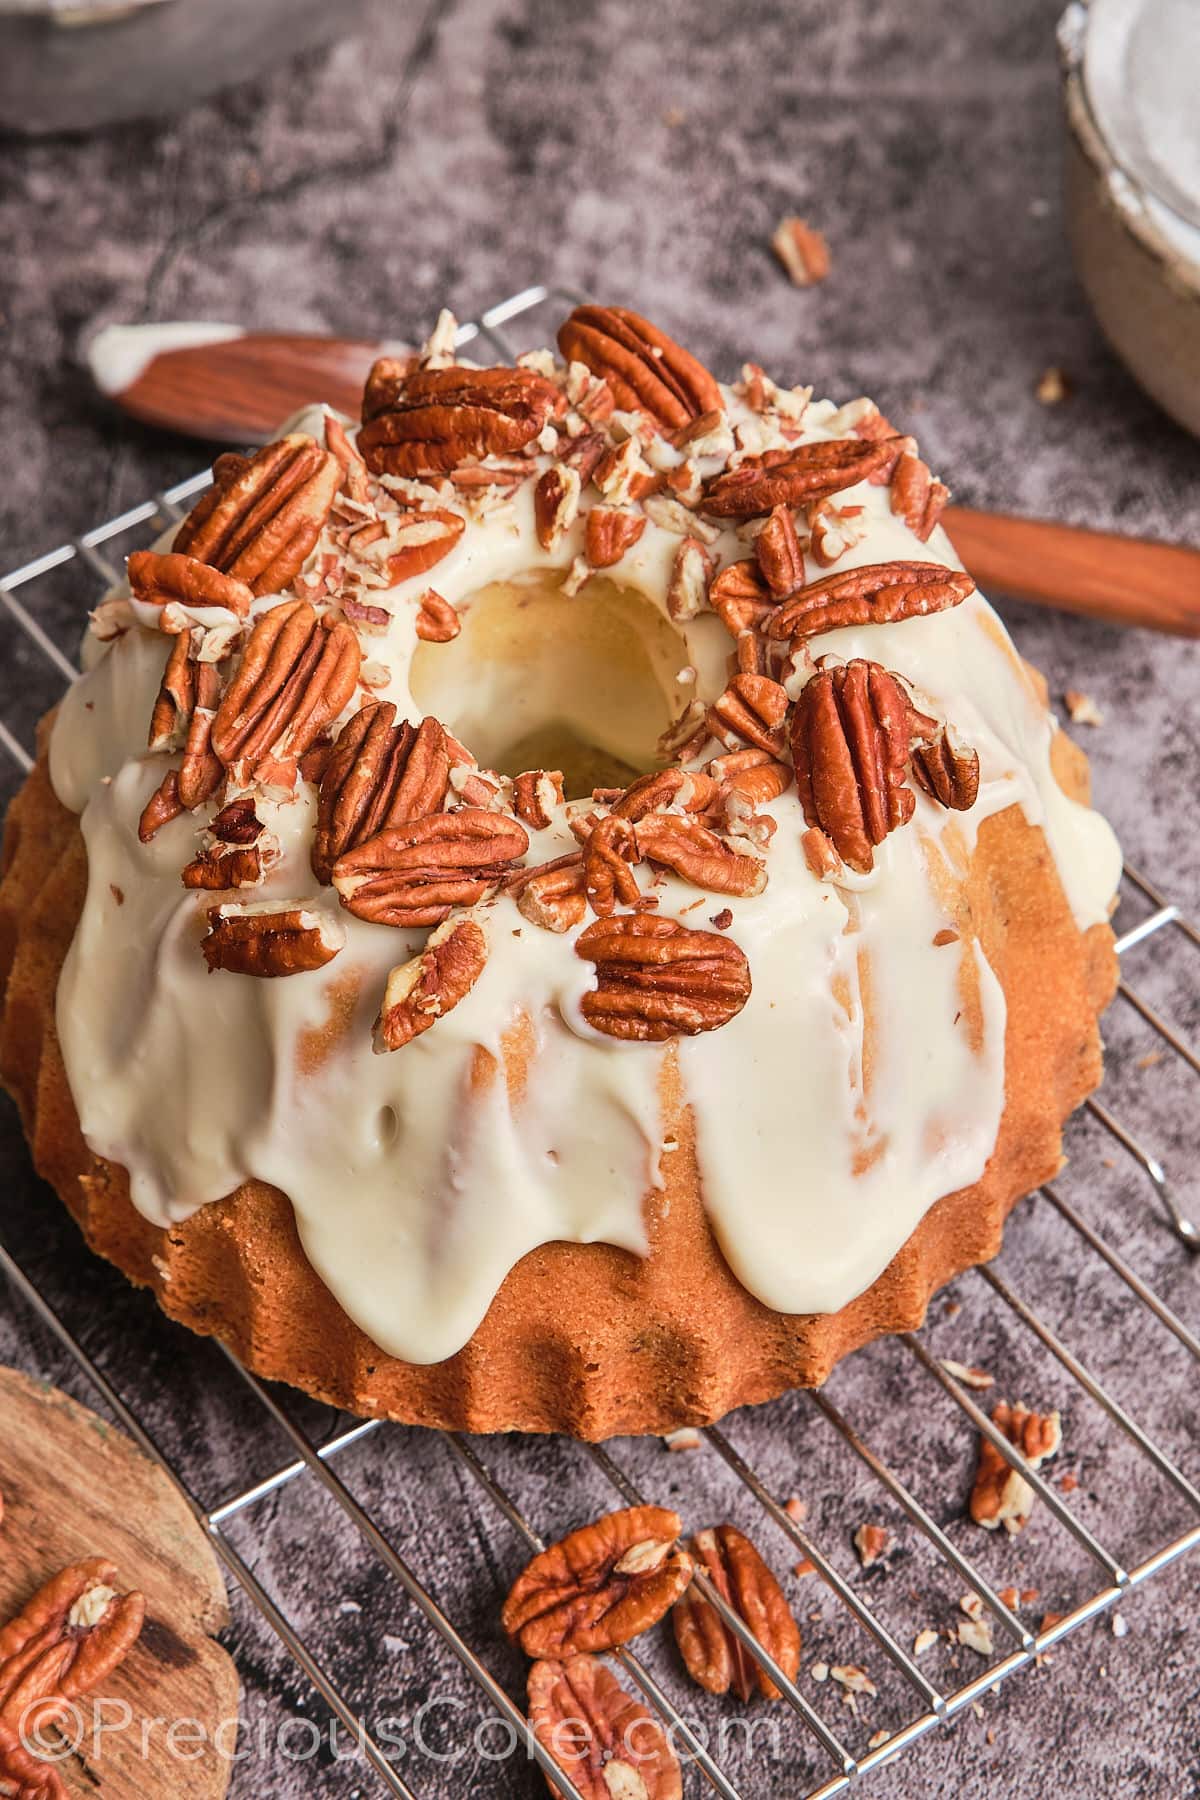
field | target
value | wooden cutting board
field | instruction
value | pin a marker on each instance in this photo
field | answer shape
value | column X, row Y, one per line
column 74, row 1487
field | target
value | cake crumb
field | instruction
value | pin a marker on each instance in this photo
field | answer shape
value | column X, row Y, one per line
column 673, row 116
column 1069, row 1482
column 1053, row 386
column 802, row 250
column 796, row 1509
column 1081, row 708
column 803, row 1568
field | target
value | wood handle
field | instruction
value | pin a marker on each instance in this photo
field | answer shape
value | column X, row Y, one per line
column 1125, row 581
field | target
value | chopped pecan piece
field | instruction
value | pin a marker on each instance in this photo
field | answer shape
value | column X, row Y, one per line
column 755, row 776
column 264, row 516
column 609, row 533
column 163, row 805
column 238, row 822
column 556, row 503
column 437, row 621
column 877, row 593
column 656, row 978
column 687, row 735
column 554, row 896
column 918, row 499
column 378, row 774
column 537, row 794
column 778, row 553
column 609, row 852
column 66, row 1640
column 850, row 743
column 688, row 790
column 1001, row 1495
column 716, row 1659
column 645, row 369
column 416, row 873
column 603, row 1739
column 946, row 767
column 240, row 865
column 752, row 710
column 791, row 477
column 740, row 597
column 419, row 540
column 423, row 990
column 698, row 855
column 266, row 938
column 687, row 592
column 428, row 421
column 601, row 1585
column 802, row 250
column 354, row 483
column 166, row 580
column 872, row 1543
column 296, row 675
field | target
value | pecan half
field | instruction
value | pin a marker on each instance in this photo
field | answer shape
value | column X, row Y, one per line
column 918, row 499
column 554, row 896
column 1001, row 1495
column 428, row 421
column 609, row 533
column 791, row 477
column 266, row 938
column 260, row 523
column 185, row 709
column 163, row 805
column 850, row 745
column 26, row 1775
column 778, row 553
column 297, row 673
column 699, row 855
column 537, row 793
column 752, row 710
column 423, row 990
column 555, row 504
column 646, row 370
column 877, row 593
column 740, row 597
column 601, row 1585
column 656, row 978
column 437, row 621
column 172, row 579
column 68, row 1638
column 416, row 873
column 607, row 1742
column 716, row 1659
column 378, row 773
column 609, row 852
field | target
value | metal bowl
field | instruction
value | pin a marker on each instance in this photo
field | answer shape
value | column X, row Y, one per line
column 72, row 65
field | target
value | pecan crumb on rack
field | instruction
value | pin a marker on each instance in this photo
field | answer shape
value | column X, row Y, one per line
column 872, row 1543
column 1001, row 1495
column 1053, row 386
column 802, row 250
column 1081, row 708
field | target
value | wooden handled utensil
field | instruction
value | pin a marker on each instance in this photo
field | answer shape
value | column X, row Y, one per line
column 230, row 386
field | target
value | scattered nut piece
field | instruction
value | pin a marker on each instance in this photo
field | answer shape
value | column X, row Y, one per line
column 796, row 1509
column 686, row 1438
column 976, row 1634
column 924, row 1640
column 1053, row 386
column 853, row 1678
column 970, row 1377
column 876, row 1738
column 872, row 1543
column 802, row 251
column 1001, row 1495
column 820, row 1671
column 1081, row 708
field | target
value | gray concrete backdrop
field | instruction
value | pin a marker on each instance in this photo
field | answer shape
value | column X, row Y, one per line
column 644, row 154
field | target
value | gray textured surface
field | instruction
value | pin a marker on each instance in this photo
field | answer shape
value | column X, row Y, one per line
column 645, row 154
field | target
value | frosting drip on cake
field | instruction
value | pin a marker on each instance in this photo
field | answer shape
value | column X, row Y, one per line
column 862, row 1080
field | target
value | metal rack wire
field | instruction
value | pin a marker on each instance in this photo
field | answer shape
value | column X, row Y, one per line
column 23, row 595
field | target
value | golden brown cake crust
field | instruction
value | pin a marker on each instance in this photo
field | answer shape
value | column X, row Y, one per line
column 580, row 1338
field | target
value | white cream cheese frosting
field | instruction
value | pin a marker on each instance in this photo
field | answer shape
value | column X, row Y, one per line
column 417, row 1180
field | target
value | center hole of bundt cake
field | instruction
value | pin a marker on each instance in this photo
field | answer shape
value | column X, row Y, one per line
column 537, row 679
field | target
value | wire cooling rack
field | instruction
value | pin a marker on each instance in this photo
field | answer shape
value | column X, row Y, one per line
column 901, row 1393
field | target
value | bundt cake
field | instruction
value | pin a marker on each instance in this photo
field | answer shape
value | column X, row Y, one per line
column 556, row 907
